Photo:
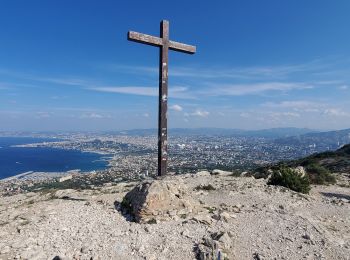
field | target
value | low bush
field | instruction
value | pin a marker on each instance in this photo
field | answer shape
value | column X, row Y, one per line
column 208, row 187
column 291, row 179
column 319, row 174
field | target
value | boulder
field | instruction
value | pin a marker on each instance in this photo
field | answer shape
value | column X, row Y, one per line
column 202, row 173
column 217, row 246
column 220, row 172
column 300, row 170
column 160, row 200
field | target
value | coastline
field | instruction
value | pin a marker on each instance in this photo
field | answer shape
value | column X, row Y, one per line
column 35, row 175
column 17, row 176
column 45, row 175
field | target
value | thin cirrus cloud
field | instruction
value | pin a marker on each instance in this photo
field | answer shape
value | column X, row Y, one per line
column 175, row 92
column 252, row 72
column 302, row 105
column 308, row 106
column 253, row 88
column 208, row 91
column 337, row 112
column 198, row 113
column 94, row 116
column 141, row 91
column 58, row 80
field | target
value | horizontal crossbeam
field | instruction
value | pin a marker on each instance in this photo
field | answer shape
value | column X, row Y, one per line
column 156, row 41
column 177, row 46
column 145, row 38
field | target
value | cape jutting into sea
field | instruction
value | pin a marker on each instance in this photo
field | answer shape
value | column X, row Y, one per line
column 16, row 160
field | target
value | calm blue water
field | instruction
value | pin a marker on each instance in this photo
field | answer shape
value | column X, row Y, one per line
column 15, row 160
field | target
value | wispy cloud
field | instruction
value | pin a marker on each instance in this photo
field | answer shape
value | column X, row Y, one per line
column 142, row 91
column 251, row 89
column 62, row 81
column 175, row 92
column 94, row 116
column 251, row 72
column 336, row 112
column 297, row 105
column 41, row 115
column 198, row 113
column 176, row 107
column 210, row 90
column 271, row 117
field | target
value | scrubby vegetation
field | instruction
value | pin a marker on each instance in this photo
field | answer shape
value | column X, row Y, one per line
column 208, row 187
column 319, row 167
column 291, row 179
column 319, row 174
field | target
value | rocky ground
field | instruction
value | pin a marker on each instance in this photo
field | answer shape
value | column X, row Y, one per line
column 242, row 215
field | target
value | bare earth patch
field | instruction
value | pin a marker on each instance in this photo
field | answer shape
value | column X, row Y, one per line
column 248, row 218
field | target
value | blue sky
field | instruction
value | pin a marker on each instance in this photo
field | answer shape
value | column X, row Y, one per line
column 67, row 65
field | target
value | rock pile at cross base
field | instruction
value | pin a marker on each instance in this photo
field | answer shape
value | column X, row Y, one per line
column 160, row 200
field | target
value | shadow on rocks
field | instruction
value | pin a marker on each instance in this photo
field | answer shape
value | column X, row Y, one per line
column 124, row 211
column 335, row 195
column 70, row 198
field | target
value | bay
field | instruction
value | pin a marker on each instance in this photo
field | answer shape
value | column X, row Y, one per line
column 16, row 160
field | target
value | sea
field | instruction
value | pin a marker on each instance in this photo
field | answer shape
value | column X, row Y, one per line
column 16, row 160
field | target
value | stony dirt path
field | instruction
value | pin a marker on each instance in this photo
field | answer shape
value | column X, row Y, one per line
column 259, row 222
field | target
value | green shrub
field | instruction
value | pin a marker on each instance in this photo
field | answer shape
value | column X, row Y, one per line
column 208, row 187
column 291, row 179
column 319, row 174
column 152, row 221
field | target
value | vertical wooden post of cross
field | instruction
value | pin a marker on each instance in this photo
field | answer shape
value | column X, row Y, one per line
column 164, row 45
column 163, row 99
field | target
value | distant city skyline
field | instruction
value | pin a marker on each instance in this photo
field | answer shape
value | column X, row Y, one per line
column 68, row 65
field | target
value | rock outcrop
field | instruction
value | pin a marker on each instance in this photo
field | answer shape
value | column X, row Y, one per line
column 160, row 200
column 242, row 218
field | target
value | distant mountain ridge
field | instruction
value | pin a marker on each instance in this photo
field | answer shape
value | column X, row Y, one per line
column 330, row 140
column 265, row 133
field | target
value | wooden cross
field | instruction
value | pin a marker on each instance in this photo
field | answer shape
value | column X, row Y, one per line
column 164, row 45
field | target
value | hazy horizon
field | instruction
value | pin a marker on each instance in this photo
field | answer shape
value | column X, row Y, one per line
column 171, row 128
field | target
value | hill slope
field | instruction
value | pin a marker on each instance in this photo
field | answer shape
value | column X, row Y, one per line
column 322, row 141
column 322, row 168
column 336, row 161
column 257, row 222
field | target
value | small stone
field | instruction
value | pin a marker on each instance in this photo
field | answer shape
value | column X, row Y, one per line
column 84, row 250
column 307, row 236
column 236, row 209
column 225, row 216
column 203, row 173
column 204, row 219
column 5, row 250
column 185, row 233
column 258, row 256
column 225, row 240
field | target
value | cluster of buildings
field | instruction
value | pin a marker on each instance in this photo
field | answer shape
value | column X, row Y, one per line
column 137, row 155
